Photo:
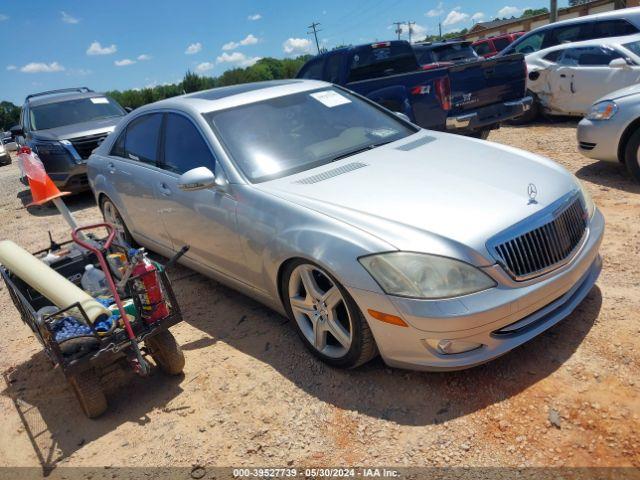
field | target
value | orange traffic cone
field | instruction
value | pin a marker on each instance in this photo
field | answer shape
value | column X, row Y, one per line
column 43, row 192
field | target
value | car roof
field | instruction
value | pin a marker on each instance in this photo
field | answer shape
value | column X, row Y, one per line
column 623, row 13
column 441, row 44
column 60, row 97
column 226, row 97
column 590, row 43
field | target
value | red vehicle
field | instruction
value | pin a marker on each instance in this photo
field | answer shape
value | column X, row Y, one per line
column 489, row 47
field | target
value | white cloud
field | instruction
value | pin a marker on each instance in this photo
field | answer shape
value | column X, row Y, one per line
column 296, row 46
column 143, row 57
column 124, row 62
column 477, row 17
column 436, row 12
column 455, row 16
column 254, row 17
column 248, row 40
column 204, row 67
column 418, row 32
column 238, row 58
column 40, row 67
column 509, row 12
column 3, row 17
column 11, row 67
column 96, row 49
column 66, row 18
column 193, row 48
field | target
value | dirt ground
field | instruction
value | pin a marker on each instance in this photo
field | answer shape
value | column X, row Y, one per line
column 252, row 396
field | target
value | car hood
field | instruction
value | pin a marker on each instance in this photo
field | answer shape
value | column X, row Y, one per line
column 623, row 92
column 66, row 132
column 430, row 185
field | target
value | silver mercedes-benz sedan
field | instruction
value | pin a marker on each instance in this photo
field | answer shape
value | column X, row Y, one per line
column 440, row 252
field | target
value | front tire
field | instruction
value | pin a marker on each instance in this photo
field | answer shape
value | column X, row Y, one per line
column 166, row 352
column 632, row 155
column 111, row 215
column 325, row 316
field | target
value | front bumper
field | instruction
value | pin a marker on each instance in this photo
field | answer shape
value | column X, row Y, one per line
column 500, row 319
column 599, row 139
column 488, row 116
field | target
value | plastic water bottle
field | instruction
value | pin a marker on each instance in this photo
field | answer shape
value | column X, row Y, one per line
column 94, row 281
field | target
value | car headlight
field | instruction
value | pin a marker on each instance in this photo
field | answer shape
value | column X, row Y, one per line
column 603, row 110
column 43, row 147
column 587, row 200
column 425, row 276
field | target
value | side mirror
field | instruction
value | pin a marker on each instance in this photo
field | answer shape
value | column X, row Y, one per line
column 196, row 179
column 16, row 131
column 403, row 116
column 618, row 63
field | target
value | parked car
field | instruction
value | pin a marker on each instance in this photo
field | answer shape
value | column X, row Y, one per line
column 611, row 129
column 9, row 144
column 625, row 21
column 5, row 157
column 491, row 46
column 469, row 98
column 432, row 55
column 567, row 79
column 373, row 235
column 63, row 127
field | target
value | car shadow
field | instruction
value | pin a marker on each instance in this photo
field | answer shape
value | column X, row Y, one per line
column 410, row 398
column 609, row 175
column 75, row 202
column 52, row 418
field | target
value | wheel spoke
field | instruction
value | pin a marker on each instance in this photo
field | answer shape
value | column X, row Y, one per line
column 332, row 297
column 319, row 334
column 338, row 331
column 301, row 305
column 310, row 285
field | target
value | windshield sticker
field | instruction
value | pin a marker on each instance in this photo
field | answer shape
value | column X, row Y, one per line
column 99, row 100
column 330, row 99
column 382, row 132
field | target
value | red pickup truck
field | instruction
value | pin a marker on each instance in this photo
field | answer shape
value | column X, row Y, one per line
column 488, row 47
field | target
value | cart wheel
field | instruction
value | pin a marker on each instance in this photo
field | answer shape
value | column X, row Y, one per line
column 166, row 352
column 86, row 386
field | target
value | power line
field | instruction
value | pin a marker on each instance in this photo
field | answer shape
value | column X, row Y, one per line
column 315, row 33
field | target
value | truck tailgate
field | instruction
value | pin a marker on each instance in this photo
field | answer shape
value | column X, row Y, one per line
column 486, row 82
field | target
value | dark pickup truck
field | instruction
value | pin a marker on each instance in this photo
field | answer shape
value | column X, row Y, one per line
column 469, row 98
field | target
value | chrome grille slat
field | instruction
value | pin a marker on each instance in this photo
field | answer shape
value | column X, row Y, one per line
column 541, row 249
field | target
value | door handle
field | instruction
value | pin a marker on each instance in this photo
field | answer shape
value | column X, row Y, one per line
column 562, row 75
column 164, row 189
column 112, row 168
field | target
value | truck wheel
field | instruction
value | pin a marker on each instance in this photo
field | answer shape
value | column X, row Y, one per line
column 632, row 155
column 166, row 352
column 86, row 386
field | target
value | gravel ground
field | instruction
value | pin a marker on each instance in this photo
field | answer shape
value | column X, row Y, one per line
column 252, row 396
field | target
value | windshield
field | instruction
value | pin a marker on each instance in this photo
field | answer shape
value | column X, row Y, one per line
column 68, row 112
column 286, row 135
column 454, row 52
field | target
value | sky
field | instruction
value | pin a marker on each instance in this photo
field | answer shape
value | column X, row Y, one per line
column 119, row 44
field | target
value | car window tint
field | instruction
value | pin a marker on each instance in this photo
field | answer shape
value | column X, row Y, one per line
column 118, row 147
column 530, row 44
column 553, row 56
column 184, row 147
column 313, row 69
column 483, row 48
column 557, row 36
column 589, row 56
column 141, row 140
column 380, row 60
column 633, row 47
column 501, row 43
column 613, row 28
column 332, row 68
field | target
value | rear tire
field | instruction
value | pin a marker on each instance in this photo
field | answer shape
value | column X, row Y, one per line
column 632, row 155
column 86, row 386
column 166, row 352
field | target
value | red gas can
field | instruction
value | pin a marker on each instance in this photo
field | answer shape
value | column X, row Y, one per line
column 147, row 286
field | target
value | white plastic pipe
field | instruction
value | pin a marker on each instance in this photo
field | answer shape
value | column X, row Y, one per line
column 47, row 281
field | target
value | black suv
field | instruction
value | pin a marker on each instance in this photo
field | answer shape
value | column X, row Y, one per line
column 63, row 127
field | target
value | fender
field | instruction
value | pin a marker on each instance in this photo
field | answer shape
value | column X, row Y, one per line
column 394, row 98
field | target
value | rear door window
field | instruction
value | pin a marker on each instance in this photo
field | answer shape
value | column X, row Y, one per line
column 313, row 69
column 141, row 138
column 560, row 35
column 612, row 28
column 530, row 44
column 184, row 146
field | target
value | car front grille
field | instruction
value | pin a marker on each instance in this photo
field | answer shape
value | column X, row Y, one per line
column 546, row 247
column 85, row 145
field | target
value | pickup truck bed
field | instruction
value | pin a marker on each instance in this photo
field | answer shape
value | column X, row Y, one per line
column 469, row 98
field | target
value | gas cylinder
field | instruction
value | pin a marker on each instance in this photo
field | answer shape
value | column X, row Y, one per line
column 147, row 286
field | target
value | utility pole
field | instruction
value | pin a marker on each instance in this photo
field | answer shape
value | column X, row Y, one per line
column 553, row 11
column 410, row 27
column 440, row 30
column 398, row 28
column 315, row 33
